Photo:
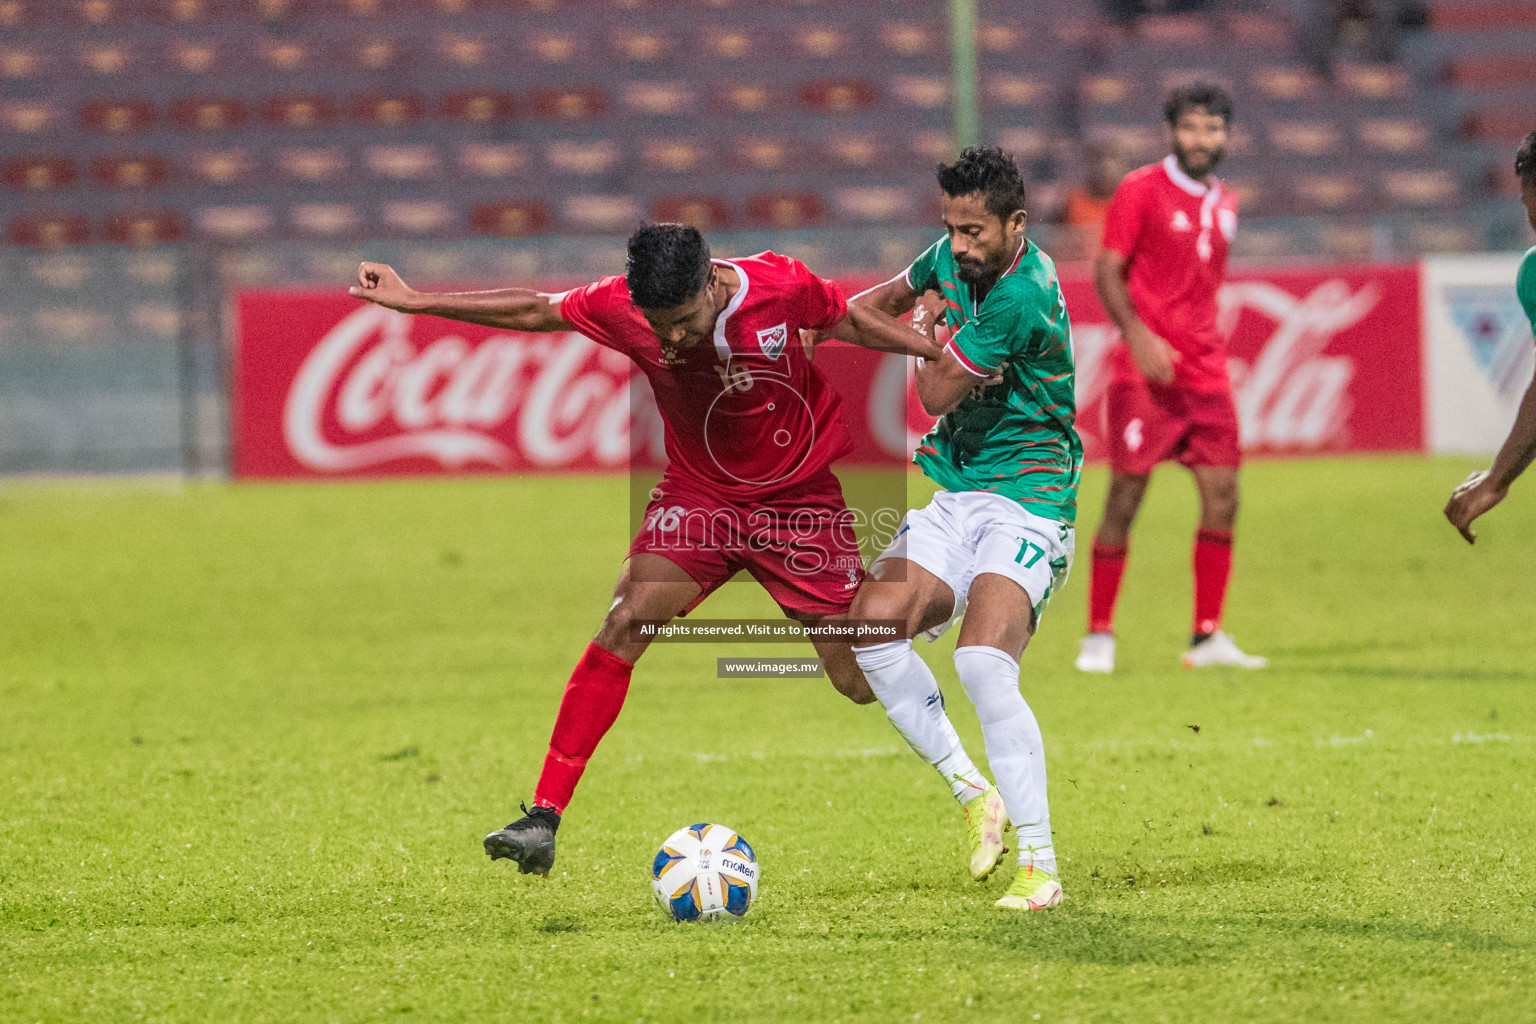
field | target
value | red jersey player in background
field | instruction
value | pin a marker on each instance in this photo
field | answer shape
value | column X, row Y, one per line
column 751, row 430
column 1166, row 234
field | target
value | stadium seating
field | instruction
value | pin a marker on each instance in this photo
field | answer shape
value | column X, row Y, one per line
column 141, row 120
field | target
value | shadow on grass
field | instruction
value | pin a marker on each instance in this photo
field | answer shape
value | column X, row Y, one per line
column 1113, row 939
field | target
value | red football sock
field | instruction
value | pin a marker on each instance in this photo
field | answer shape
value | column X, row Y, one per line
column 1104, row 585
column 592, row 701
column 1213, row 564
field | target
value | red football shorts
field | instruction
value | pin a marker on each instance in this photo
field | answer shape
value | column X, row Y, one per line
column 1149, row 423
column 799, row 545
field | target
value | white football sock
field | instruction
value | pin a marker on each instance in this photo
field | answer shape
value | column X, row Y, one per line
column 1015, row 748
column 906, row 688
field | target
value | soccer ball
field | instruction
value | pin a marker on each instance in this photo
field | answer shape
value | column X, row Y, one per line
column 704, row 873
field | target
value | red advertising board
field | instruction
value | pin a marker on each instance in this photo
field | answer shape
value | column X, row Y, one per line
column 1323, row 360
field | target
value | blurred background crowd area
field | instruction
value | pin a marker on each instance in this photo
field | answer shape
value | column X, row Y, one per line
column 136, row 121
column 156, row 156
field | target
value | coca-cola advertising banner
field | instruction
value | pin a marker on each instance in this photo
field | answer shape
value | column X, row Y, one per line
column 1323, row 360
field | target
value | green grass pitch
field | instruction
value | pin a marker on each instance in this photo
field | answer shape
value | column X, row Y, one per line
column 251, row 736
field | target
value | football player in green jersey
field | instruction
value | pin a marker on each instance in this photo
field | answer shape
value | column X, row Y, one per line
column 996, row 542
column 1486, row 488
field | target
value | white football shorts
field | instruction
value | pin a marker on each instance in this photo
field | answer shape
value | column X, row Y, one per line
column 962, row 534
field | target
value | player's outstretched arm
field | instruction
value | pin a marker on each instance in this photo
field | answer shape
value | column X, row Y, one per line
column 892, row 298
column 508, row 309
column 1154, row 357
column 870, row 328
column 1483, row 490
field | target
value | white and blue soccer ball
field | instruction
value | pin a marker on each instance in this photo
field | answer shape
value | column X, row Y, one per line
column 705, row 873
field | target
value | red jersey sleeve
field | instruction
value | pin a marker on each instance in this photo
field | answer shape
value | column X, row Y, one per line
column 822, row 302
column 1122, row 218
column 591, row 309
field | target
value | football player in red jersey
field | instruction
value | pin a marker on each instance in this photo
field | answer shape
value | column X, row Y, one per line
column 751, row 431
column 1166, row 234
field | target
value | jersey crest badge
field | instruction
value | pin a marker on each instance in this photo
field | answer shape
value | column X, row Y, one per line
column 1180, row 221
column 773, row 340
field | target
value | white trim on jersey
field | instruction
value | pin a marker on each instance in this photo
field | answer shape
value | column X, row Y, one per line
column 722, row 346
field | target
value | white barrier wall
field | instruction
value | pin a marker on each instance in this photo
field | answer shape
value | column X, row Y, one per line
column 1478, row 351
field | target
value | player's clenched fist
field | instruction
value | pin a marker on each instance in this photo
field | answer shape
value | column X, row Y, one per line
column 378, row 282
column 1154, row 357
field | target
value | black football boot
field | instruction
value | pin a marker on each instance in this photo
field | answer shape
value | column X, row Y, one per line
column 529, row 841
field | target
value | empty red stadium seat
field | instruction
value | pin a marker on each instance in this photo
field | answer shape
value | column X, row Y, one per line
column 705, row 212
column 510, row 218
column 419, row 216
column 320, row 163
column 1374, row 81
column 1326, row 193
column 674, row 155
column 854, row 152
column 96, row 13
column 208, row 114
column 16, row 13
column 38, row 174
column 838, row 96
column 746, row 98
column 763, row 153
column 642, row 45
column 145, row 228
column 606, row 213
column 191, row 56
column 583, row 158
column 223, row 167
column 1421, row 188
column 785, row 211
column 403, row 163
column 49, row 232
column 117, row 117
column 1011, row 91
column 914, row 38
column 1394, row 135
column 324, row 220
column 1306, row 138
column 1287, row 83
column 298, row 111
column 659, row 98
column 131, row 172
column 570, row 104
column 479, row 106
column 1483, row 17
column 235, row 223
column 492, row 159
column 1490, row 71
column 464, row 49
column 389, row 111
column 1503, row 125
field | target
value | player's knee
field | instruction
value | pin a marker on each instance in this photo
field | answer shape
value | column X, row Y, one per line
column 1219, row 509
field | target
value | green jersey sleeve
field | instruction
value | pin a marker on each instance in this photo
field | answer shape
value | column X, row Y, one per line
column 1525, row 286
column 923, row 274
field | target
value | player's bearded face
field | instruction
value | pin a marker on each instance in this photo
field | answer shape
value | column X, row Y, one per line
column 1199, row 141
column 982, row 243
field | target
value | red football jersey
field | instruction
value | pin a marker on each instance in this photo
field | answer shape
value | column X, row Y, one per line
column 1174, row 232
column 745, row 412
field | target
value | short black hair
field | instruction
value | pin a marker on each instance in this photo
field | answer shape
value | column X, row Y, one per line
column 990, row 171
column 1525, row 161
column 667, row 265
column 1198, row 94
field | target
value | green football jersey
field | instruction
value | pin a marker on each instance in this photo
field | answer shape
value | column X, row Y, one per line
column 1525, row 286
column 1015, row 438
